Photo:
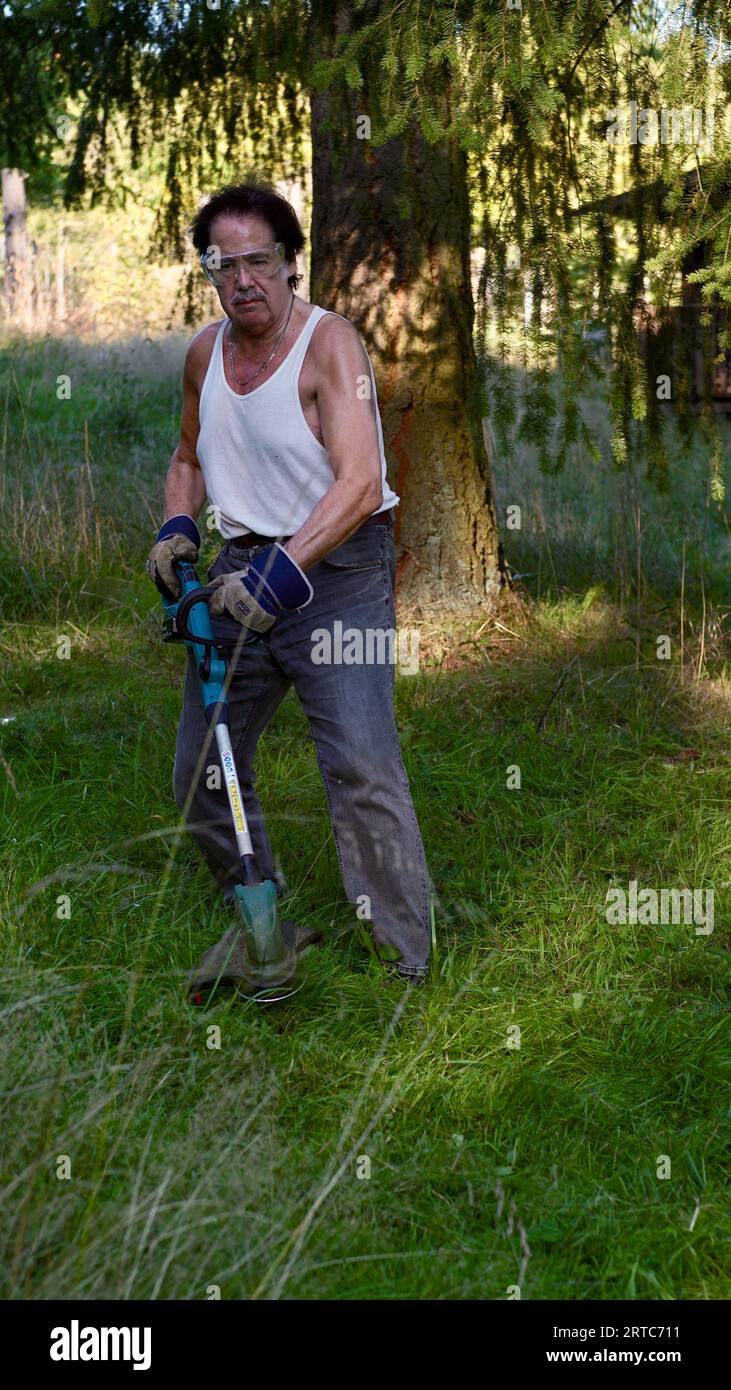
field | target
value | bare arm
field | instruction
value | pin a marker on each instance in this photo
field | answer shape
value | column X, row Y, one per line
column 348, row 425
column 185, row 488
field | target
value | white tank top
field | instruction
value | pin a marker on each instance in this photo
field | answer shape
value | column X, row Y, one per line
column 263, row 468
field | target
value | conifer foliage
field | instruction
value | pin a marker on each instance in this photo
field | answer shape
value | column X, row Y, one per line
column 595, row 133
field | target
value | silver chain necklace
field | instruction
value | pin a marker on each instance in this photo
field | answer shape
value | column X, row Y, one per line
column 264, row 365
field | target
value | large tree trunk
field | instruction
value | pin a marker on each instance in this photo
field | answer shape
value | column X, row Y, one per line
column 402, row 275
column 17, row 258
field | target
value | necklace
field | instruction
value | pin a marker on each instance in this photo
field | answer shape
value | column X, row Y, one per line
column 264, row 365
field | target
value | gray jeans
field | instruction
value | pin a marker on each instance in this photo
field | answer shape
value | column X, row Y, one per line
column 351, row 716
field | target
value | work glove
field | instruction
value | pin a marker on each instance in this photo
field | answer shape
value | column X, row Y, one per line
column 177, row 539
column 271, row 584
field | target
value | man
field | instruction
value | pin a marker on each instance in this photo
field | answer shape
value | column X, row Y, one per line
column 281, row 432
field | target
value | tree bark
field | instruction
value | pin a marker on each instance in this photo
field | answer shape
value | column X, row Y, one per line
column 390, row 251
column 17, row 258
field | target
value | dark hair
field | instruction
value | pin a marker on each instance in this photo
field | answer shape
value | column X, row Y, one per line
column 259, row 198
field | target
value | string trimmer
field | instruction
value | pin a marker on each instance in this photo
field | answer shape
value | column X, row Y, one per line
column 259, row 958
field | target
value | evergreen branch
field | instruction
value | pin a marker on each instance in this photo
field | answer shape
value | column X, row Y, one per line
column 619, row 6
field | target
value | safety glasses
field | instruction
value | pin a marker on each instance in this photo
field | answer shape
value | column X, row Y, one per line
column 262, row 262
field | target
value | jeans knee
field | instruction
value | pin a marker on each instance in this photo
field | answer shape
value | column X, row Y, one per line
column 361, row 764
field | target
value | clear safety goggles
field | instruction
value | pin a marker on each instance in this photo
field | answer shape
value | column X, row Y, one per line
column 263, row 261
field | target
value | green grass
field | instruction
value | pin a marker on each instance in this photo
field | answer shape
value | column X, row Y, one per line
column 596, row 524
column 237, row 1166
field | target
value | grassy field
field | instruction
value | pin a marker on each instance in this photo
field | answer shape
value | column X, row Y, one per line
column 240, row 1167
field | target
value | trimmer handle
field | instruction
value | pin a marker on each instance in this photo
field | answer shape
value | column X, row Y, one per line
column 186, row 573
column 173, row 630
column 198, row 593
column 187, row 619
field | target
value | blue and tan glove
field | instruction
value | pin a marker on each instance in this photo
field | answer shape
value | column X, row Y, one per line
column 271, row 584
column 177, row 539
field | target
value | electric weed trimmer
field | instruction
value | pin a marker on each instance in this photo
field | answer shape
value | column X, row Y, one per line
column 265, row 950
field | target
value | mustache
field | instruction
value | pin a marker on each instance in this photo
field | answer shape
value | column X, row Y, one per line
column 247, row 298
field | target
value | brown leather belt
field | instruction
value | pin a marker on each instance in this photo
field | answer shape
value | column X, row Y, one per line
column 255, row 537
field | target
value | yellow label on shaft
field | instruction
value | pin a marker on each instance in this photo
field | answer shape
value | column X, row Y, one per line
column 238, row 813
column 230, row 774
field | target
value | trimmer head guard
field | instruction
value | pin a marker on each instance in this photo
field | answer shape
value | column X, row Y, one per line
column 269, row 962
column 229, row 964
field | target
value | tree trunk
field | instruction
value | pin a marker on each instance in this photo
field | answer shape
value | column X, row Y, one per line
column 401, row 274
column 17, row 258
column 299, row 194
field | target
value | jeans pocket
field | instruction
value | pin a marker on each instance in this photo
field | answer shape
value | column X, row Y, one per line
column 361, row 551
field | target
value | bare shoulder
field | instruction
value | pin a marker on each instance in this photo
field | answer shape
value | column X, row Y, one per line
column 336, row 340
column 198, row 354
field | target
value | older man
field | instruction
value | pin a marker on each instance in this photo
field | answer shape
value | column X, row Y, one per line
column 281, row 432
